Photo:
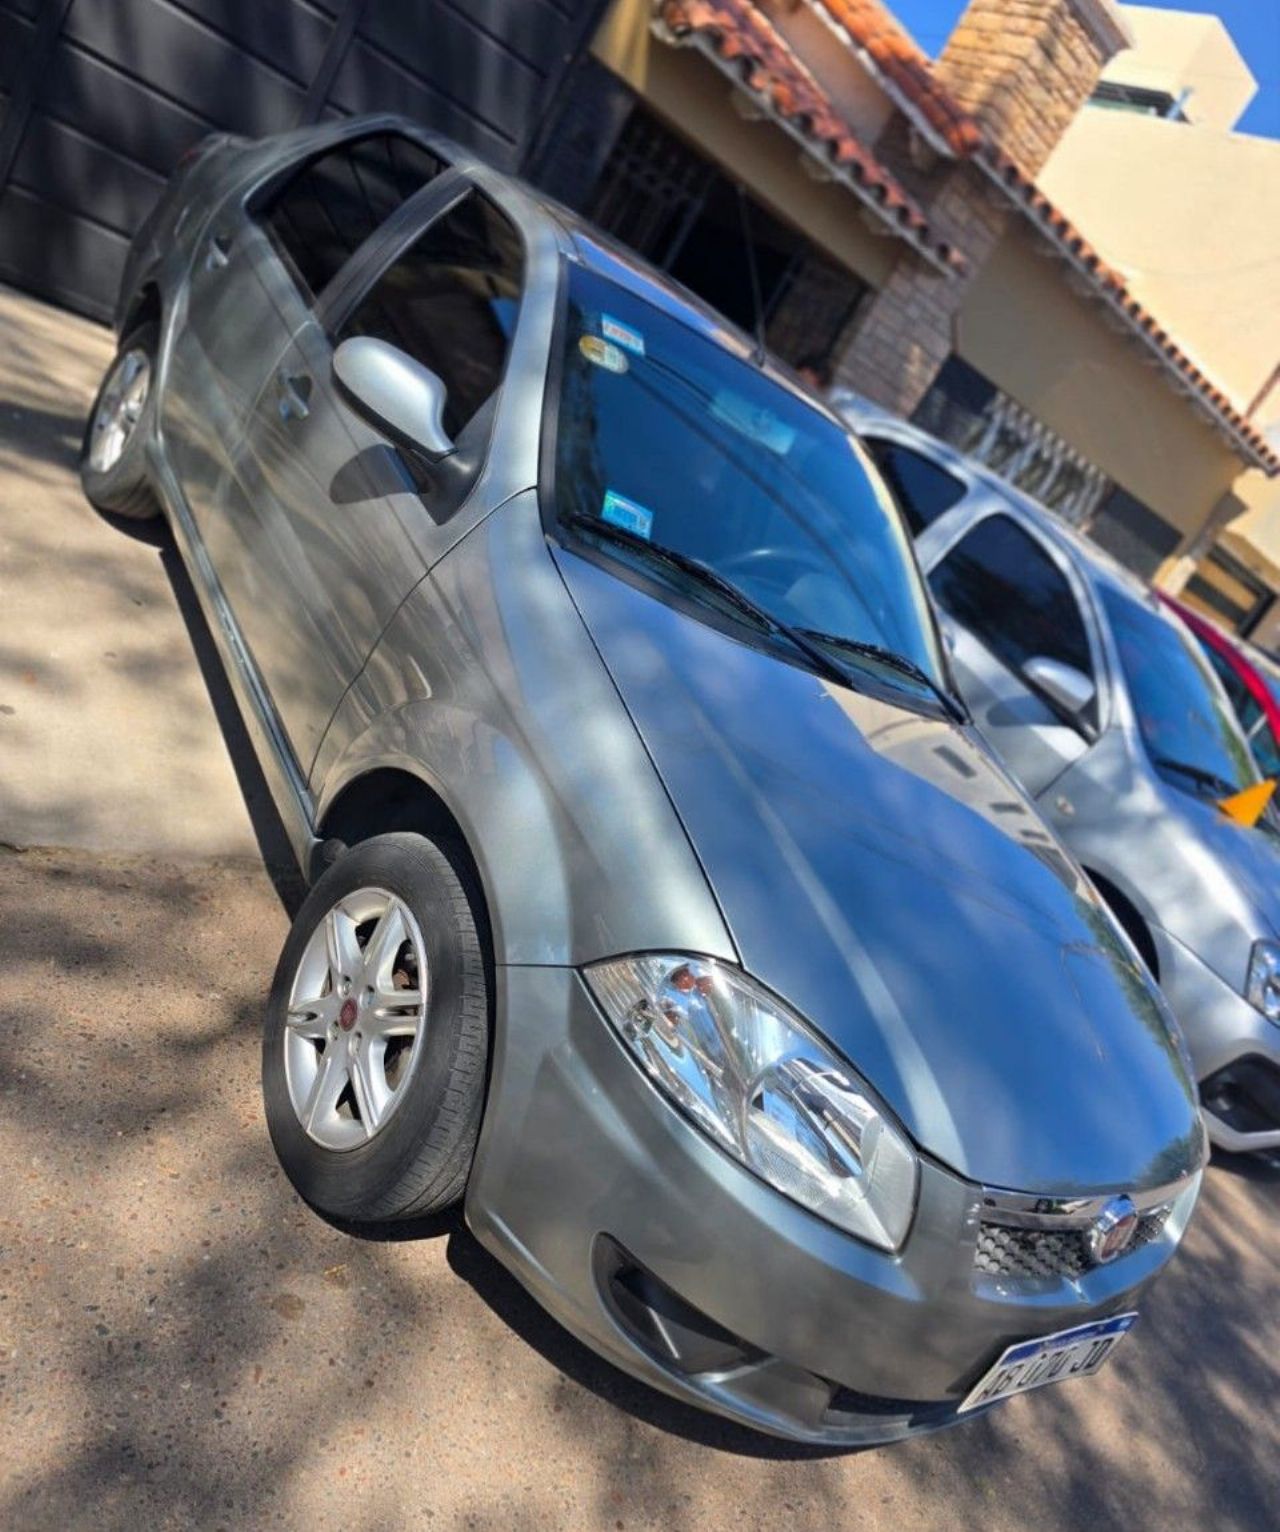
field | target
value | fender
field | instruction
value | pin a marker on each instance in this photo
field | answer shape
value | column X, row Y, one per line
column 487, row 688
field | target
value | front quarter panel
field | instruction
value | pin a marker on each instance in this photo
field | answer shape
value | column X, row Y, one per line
column 1122, row 822
column 488, row 688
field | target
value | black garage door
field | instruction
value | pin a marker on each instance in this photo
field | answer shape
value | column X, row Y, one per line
column 98, row 98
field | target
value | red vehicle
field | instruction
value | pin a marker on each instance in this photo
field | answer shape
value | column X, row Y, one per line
column 1252, row 682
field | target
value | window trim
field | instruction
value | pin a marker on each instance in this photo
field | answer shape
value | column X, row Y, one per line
column 872, row 435
column 370, row 263
column 1077, row 583
column 272, row 182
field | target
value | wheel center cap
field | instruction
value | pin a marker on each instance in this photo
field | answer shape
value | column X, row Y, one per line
column 347, row 1015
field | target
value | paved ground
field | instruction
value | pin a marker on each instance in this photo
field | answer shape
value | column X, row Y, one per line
column 182, row 1344
column 107, row 736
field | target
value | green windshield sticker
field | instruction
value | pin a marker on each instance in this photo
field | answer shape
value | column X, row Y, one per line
column 624, row 513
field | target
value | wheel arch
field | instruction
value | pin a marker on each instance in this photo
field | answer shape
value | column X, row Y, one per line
column 384, row 799
column 145, row 307
column 1130, row 918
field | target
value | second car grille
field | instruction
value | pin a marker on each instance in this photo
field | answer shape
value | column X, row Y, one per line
column 1004, row 1251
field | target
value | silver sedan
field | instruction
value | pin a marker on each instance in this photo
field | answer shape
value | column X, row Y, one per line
column 1103, row 705
column 664, row 901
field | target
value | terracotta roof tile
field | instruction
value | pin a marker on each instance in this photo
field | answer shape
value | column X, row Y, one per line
column 903, row 67
column 740, row 34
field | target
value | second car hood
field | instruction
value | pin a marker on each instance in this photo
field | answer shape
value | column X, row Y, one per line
column 879, row 872
column 1249, row 859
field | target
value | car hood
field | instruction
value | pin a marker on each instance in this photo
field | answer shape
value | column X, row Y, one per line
column 880, row 872
column 1249, row 859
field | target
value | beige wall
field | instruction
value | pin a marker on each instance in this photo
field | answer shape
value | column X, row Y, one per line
column 1191, row 217
column 685, row 89
column 1176, row 49
column 1028, row 331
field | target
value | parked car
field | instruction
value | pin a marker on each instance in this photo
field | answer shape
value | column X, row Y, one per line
column 1250, row 680
column 664, row 903
column 1104, row 708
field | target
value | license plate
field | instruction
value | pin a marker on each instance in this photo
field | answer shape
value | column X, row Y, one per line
column 1050, row 1359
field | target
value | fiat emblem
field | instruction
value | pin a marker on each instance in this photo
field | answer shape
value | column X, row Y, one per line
column 1113, row 1230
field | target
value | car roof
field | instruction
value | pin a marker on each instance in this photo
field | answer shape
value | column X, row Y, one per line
column 596, row 251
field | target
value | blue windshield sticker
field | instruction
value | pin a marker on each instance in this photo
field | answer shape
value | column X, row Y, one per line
column 621, row 334
column 624, row 513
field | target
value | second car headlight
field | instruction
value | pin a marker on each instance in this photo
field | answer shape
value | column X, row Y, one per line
column 752, row 1075
column 1263, row 988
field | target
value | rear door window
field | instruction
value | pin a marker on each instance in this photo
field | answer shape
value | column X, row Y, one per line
column 1002, row 585
column 923, row 490
column 327, row 210
column 450, row 301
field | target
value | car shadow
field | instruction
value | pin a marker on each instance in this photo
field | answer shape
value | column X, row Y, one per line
column 268, row 828
column 525, row 1317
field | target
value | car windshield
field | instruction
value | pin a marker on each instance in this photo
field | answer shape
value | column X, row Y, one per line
column 669, row 436
column 1184, row 717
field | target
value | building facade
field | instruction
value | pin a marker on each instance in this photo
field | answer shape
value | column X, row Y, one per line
column 904, row 237
column 1188, row 209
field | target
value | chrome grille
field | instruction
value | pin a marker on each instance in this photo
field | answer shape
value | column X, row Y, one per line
column 1005, row 1251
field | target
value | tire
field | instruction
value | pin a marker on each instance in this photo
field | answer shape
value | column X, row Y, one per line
column 120, row 486
column 413, row 1159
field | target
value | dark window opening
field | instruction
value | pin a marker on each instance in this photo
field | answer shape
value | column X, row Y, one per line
column 450, row 302
column 955, row 407
column 923, row 490
column 334, row 203
column 1138, row 98
column 1000, row 584
column 1132, row 533
column 1229, row 591
column 680, row 212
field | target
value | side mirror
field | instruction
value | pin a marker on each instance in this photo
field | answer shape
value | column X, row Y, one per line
column 397, row 394
column 1068, row 689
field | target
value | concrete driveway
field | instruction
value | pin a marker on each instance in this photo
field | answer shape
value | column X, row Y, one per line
column 183, row 1344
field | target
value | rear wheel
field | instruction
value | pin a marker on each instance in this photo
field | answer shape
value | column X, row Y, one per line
column 377, row 1033
column 113, row 470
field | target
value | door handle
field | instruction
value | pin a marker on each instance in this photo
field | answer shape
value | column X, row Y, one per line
column 293, row 394
column 218, row 252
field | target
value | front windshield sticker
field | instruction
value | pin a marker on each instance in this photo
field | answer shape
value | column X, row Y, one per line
column 622, row 334
column 602, row 354
column 753, row 421
column 626, row 514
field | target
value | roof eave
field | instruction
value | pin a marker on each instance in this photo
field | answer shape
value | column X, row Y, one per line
column 826, row 166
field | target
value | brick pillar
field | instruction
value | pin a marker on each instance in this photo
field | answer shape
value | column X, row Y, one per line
column 902, row 336
column 1023, row 68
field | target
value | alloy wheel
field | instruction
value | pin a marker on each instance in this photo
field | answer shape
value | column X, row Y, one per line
column 124, row 396
column 356, row 1018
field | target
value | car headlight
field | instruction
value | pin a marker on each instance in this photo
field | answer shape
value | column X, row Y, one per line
column 752, row 1075
column 1263, row 989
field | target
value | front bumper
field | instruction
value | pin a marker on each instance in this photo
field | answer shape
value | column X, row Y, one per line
column 600, row 1197
column 1227, row 1037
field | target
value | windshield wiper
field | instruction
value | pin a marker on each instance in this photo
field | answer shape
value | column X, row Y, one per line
column 1198, row 774
column 706, row 575
column 808, row 642
column 954, row 706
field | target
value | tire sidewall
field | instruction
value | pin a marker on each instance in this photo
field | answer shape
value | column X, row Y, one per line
column 354, row 1183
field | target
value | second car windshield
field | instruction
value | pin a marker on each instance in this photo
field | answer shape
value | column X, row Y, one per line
column 1184, row 718
column 665, row 434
